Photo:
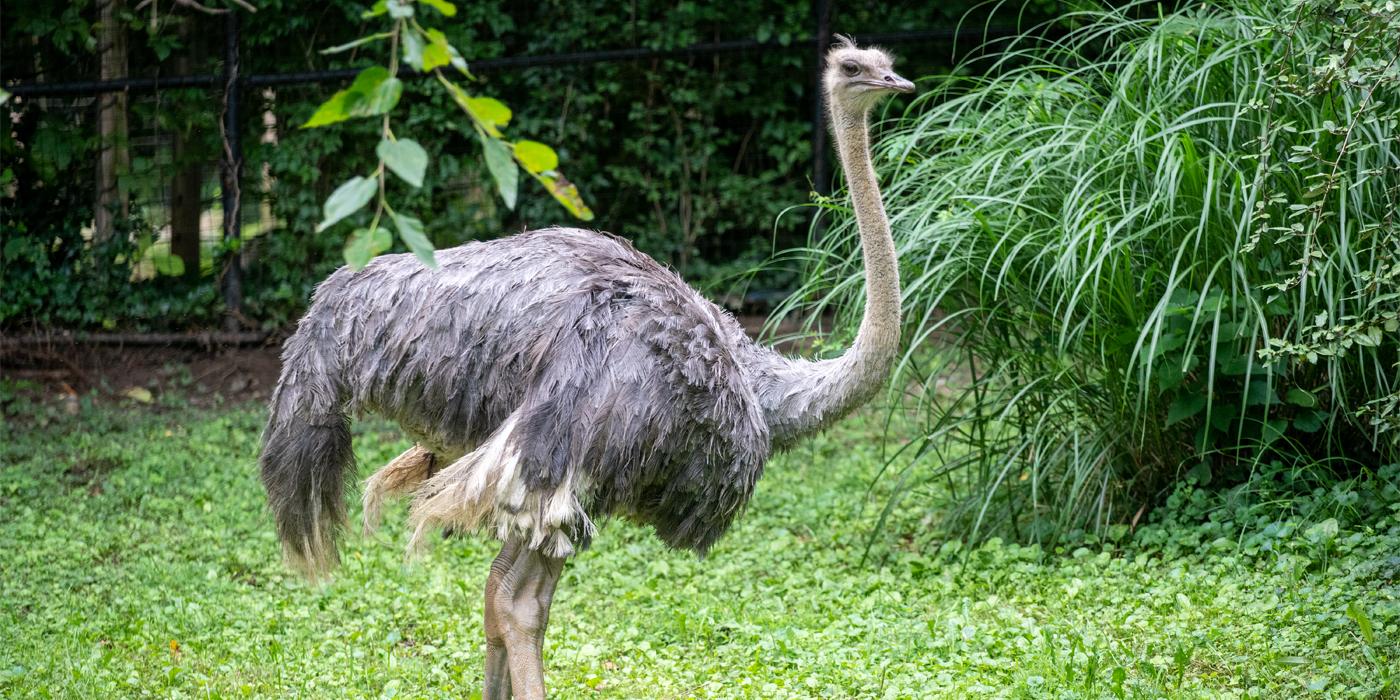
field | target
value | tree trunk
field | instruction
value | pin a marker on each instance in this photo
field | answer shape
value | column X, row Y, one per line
column 187, row 182
column 185, row 208
column 113, row 160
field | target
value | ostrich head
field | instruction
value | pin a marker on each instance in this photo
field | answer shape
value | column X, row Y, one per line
column 856, row 79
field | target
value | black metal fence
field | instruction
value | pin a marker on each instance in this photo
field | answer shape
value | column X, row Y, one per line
column 233, row 84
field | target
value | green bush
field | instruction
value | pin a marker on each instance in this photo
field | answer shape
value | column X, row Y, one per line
column 1160, row 248
column 54, row 277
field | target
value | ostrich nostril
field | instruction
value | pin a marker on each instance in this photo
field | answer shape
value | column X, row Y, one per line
column 889, row 79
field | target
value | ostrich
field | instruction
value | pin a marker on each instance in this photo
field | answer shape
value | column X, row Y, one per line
column 556, row 377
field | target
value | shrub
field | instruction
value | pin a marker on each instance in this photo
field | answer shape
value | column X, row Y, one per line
column 1161, row 246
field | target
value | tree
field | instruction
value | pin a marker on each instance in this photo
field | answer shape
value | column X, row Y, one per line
column 113, row 159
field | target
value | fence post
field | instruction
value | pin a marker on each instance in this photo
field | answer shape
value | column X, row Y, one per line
column 232, row 281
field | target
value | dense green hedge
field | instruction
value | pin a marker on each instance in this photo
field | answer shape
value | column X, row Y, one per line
column 1163, row 249
column 694, row 159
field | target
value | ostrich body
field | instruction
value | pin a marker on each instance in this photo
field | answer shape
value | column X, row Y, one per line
column 556, row 377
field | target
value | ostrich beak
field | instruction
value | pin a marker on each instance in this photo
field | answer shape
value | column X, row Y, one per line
column 898, row 84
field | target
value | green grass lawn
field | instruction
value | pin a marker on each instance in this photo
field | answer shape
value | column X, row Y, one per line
column 138, row 561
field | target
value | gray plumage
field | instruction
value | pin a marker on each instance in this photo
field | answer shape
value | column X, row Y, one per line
column 556, row 377
column 565, row 377
column 619, row 371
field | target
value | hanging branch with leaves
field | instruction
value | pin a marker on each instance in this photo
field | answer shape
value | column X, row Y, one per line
column 375, row 92
column 1355, row 70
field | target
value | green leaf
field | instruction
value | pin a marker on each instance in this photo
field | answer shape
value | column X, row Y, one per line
column 446, row 8
column 379, row 8
column 436, row 53
column 1309, row 421
column 1258, row 392
column 1201, row 473
column 358, row 42
column 536, row 157
column 347, row 199
column 502, row 167
column 1184, row 407
column 400, row 9
column 335, row 109
column 382, row 99
column 373, row 92
column 435, row 56
column 171, row 265
column 1231, row 362
column 1323, row 532
column 52, row 149
column 413, row 49
column 491, row 112
column 458, row 62
column 369, row 78
column 411, row 233
column 1170, row 375
column 1169, row 341
column 5, row 96
column 1301, row 397
column 566, row 194
column 1273, row 429
column 1363, row 622
column 1369, row 338
column 364, row 244
column 1222, row 413
column 405, row 158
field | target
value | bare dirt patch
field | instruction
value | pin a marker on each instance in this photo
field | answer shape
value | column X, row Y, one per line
column 63, row 371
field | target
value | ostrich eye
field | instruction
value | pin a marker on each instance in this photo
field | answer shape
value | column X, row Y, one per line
column 850, row 69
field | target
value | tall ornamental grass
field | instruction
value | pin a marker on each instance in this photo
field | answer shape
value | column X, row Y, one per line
column 1159, row 248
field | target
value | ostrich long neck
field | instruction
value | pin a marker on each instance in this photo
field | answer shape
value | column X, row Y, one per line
column 878, row 340
column 802, row 397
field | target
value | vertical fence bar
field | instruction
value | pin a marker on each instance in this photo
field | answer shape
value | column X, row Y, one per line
column 821, row 165
column 232, row 171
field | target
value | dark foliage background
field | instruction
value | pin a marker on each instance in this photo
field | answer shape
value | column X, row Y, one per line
column 694, row 159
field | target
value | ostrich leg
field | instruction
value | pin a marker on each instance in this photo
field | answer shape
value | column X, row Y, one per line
column 518, row 609
column 497, row 664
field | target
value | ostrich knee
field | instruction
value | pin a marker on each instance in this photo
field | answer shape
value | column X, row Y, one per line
column 497, row 685
column 521, row 605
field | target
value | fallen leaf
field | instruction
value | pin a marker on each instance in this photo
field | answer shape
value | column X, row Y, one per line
column 140, row 394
